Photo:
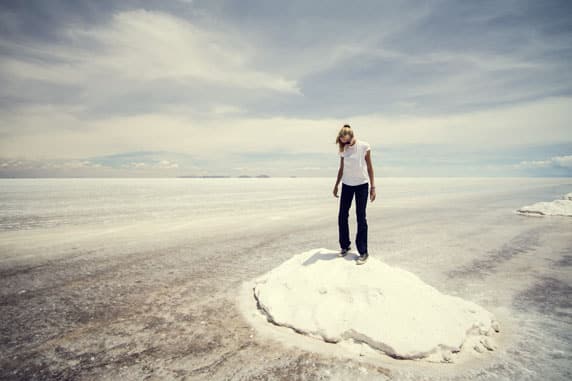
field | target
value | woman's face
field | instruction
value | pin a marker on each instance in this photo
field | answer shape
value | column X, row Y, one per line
column 346, row 139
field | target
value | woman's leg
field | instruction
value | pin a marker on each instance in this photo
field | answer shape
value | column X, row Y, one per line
column 361, row 202
column 343, row 214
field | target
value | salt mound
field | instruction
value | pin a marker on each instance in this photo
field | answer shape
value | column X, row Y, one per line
column 555, row 208
column 321, row 295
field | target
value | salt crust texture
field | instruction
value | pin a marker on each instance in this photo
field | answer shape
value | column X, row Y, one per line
column 321, row 295
column 561, row 207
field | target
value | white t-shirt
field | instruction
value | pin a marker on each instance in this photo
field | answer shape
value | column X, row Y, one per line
column 355, row 167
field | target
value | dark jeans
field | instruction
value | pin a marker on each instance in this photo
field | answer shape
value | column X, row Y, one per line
column 361, row 192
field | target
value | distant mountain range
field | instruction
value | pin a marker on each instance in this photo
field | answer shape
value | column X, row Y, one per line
column 217, row 176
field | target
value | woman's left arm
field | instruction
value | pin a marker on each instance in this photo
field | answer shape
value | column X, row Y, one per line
column 371, row 174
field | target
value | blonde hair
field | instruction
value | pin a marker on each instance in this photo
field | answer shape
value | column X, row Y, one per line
column 345, row 130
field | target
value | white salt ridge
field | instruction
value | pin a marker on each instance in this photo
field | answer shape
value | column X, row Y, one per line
column 559, row 207
column 321, row 295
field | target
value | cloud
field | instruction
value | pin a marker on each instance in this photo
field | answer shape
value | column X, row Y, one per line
column 563, row 161
column 163, row 164
column 45, row 132
column 134, row 49
column 136, row 163
column 541, row 121
column 553, row 162
column 196, row 85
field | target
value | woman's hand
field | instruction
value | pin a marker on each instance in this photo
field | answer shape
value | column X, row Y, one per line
column 335, row 191
column 372, row 194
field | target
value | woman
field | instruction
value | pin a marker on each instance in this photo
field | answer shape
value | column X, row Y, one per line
column 355, row 168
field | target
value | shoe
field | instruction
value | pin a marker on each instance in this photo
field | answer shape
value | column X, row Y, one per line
column 344, row 252
column 362, row 258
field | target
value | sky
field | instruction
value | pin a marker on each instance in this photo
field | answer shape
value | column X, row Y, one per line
column 233, row 88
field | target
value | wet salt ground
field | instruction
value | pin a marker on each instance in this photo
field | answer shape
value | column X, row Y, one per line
column 150, row 294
